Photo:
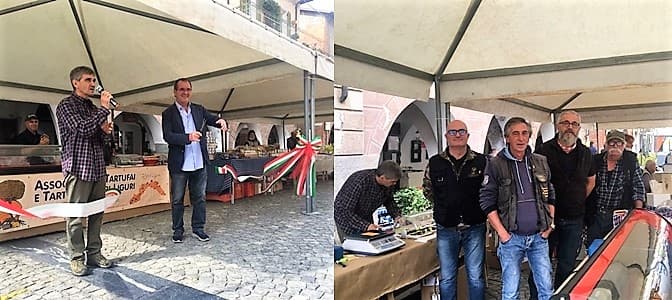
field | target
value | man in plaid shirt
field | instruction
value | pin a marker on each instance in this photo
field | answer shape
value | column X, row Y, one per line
column 84, row 128
column 618, row 185
column 362, row 193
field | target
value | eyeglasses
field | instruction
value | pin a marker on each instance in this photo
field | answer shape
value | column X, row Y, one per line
column 567, row 123
column 454, row 132
column 615, row 143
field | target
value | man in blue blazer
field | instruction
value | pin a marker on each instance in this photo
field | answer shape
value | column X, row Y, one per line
column 183, row 126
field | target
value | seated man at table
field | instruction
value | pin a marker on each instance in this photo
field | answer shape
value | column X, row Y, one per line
column 362, row 193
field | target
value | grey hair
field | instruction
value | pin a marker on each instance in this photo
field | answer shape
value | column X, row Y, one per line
column 77, row 72
column 514, row 121
column 568, row 112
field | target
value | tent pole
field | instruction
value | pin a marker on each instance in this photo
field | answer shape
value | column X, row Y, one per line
column 439, row 119
column 597, row 137
column 309, row 188
column 307, row 125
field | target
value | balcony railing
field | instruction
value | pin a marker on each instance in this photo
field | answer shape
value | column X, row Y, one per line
column 280, row 21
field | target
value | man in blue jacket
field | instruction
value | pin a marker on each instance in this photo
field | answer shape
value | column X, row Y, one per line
column 518, row 199
column 183, row 124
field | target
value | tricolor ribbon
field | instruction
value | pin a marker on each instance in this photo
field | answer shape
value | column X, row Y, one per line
column 303, row 157
column 61, row 210
column 231, row 170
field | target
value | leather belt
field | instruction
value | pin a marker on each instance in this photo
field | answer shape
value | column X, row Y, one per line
column 459, row 227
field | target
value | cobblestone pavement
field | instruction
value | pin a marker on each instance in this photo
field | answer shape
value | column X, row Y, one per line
column 261, row 248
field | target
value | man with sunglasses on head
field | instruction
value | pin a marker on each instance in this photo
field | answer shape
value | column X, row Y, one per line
column 518, row 199
column 618, row 185
column 573, row 177
column 452, row 182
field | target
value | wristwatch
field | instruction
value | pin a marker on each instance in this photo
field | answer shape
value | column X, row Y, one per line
column 552, row 225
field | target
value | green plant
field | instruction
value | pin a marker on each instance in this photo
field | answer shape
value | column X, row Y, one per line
column 411, row 201
column 272, row 14
column 329, row 149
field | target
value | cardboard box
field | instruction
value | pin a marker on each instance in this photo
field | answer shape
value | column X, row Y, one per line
column 249, row 189
column 667, row 181
column 657, row 200
column 239, row 191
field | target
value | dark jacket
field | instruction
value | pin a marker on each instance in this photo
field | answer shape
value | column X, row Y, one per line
column 454, row 190
column 500, row 186
column 570, row 189
column 173, row 133
column 28, row 138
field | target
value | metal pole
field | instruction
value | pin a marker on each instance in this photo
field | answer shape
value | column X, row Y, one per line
column 449, row 117
column 312, row 135
column 439, row 119
column 307, row 125
column 284, row 132
column 597, row 137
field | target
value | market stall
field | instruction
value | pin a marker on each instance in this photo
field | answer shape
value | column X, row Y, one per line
column 371, row 277
column 30, row 175
column 219, row 184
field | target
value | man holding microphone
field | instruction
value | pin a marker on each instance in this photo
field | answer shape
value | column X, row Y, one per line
column 84, row 128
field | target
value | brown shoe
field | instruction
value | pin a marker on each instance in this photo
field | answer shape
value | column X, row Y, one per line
column 77, row 267
column 98, row 260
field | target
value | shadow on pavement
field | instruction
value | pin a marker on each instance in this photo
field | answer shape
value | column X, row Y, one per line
column 120, row 281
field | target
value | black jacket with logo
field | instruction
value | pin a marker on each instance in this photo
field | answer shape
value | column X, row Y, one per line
column 454, row 190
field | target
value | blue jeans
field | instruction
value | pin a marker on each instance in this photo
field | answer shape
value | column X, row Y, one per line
column 178, row 183
column 566, row 241
column 511, row 256
column 449, row 241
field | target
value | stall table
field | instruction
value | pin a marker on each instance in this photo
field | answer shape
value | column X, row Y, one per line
column 371, row 277
column 219, row 183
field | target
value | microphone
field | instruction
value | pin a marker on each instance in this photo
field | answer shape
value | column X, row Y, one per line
column 114, row 103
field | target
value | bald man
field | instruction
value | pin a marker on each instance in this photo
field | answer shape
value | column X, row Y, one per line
column 452, row 181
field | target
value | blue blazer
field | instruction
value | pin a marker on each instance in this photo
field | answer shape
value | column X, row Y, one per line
column 173, row 133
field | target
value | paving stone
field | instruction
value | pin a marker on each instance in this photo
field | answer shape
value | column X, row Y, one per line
column 312, row 294
column 245, row 258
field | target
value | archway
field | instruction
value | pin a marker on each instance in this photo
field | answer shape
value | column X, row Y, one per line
column 273, row 138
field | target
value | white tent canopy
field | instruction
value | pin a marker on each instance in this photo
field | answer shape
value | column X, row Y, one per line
column 610, row 60
column 139, row 47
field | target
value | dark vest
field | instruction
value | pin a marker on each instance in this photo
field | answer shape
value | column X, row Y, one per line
column 507, row 202
column 570, row 189
column 456, row 189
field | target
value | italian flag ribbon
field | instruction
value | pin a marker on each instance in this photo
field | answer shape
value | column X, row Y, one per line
column 303, row 157
column 61, row 210
column 231, row 170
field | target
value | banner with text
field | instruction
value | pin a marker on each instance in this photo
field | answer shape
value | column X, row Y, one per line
column 139, row 186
